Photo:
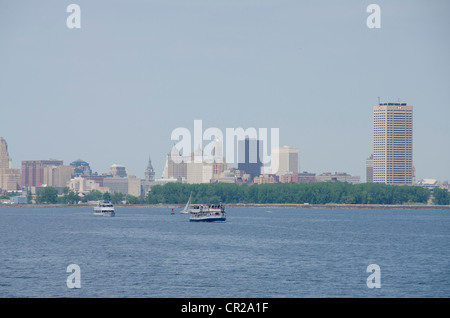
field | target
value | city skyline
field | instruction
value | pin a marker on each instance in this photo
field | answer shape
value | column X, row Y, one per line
column 112, row 91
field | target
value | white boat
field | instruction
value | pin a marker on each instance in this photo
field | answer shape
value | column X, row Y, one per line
column 207, row 213
column 104, row 208
column 188, row 204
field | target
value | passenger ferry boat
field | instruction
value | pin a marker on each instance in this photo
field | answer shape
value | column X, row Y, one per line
column 104, row 209
column 207, row 213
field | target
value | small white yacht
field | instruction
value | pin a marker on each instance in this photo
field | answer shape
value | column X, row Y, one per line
column 104, row 208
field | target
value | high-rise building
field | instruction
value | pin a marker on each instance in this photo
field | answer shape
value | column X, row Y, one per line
column 200, row 171
column 218, row 160
column 250, row 154
column 58, row 176
column 393, row 143
column 284, row 160
column 176, row 165
column 9, row 177
column 33, row 171
column 4, row 155
column 369, row 169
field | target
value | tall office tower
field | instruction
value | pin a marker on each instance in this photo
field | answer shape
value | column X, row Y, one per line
column 176, row 165
column 393, row 143
column 9, row 178
column 284, row 160
column 57, row 176
column 4, row 155
column 33, row 171
column 250, row 155
column 218, row 160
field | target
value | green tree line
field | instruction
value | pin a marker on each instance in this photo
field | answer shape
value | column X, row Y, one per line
column 298, row 193
column 312, row 193
column 441, row 196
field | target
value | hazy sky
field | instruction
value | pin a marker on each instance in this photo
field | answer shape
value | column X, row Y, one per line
column 114, row 90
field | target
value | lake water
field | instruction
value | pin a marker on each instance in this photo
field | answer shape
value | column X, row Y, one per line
column 256, row 253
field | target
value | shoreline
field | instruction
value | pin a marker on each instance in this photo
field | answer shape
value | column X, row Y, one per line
column 248, row 205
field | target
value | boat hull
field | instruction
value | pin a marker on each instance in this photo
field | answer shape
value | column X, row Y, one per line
column 206, row 219
column 104, row 213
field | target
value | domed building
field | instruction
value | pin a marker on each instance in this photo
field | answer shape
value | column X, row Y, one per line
column 81, row 168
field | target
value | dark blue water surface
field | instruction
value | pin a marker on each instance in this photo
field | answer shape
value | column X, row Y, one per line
column 255, row 253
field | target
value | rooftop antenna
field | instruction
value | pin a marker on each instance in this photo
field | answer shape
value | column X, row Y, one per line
column 378, row 100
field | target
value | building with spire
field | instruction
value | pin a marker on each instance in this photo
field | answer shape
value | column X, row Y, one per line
column 149, row 180
column 149, row 172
